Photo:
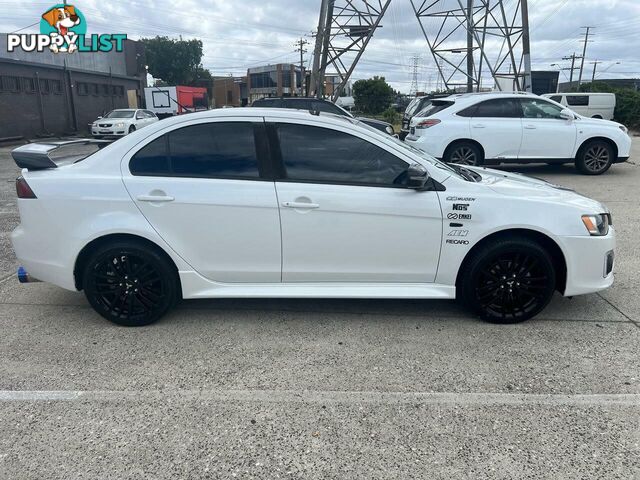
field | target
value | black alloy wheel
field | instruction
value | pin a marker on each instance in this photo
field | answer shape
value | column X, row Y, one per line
column 510, row 281
column 464, row 154
column 595, row 158
column 130, row 285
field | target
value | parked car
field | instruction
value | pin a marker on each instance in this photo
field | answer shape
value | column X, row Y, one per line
column 318, row 105
column 417, row 105
column 118, row 123
column 495, row 128
column 280, row 203
column 594, row 105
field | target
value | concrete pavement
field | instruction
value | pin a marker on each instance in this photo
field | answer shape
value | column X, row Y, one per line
column 325, row 389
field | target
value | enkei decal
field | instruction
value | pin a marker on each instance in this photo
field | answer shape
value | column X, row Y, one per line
column 459, row 216
column 461, row 206
column 458, row 233
column 461, row 199
column 458, row 242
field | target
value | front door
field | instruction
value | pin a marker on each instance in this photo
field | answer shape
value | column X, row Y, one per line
column 545, row 134
column 200, row 188
column 346, row 214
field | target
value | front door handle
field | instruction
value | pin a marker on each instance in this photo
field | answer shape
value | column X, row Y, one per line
column 155, row 198
column 479, row 125
column 530, row 127
column 301, row 205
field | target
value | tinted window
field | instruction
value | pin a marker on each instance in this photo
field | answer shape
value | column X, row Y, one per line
column 152, row 160
column 578, row 100
column 468, row 112
column 537, row 108
column 297, row 103
column 557, row 98
column 215, row 150
column 327, row 156
column 327, row 108
column 498, row 108
column 433, row 108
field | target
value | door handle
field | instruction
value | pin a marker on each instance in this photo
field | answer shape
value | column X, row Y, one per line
column 479, row 126
column 530, row 127
column 301, row 205
column 155, row 198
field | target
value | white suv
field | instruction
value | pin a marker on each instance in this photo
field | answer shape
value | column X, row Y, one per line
column 495, row 128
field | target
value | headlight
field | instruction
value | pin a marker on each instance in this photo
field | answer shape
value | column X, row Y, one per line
column 119, row 125
column 624, row 129
column 597, row 225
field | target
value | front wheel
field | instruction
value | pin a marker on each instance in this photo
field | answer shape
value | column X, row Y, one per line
column 130, row 284
column 508, row 281
column 595, row 158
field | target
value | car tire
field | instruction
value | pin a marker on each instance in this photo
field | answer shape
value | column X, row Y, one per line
column 464, row 153
column 129, row 283
column 132, row 128
column 508, row 281
column 595, row 158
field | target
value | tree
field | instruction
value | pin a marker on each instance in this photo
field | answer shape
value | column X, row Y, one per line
column 176, row 62
column 627, row 102
column 372, row 96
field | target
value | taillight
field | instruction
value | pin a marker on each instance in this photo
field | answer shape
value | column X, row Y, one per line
column 428, row 123
column 23, row 189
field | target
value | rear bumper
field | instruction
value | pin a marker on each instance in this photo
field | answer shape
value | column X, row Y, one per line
column 590, row 263
column 431, row 145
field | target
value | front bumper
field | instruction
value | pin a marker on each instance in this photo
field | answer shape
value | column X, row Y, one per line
column 590, row 263
column 108, row 132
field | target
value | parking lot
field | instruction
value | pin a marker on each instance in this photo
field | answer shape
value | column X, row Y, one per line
column 326, row 389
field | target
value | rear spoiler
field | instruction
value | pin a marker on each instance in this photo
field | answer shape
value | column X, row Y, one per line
column 37, row 156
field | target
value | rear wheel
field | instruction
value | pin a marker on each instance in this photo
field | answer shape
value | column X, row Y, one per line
column 595, row 158
column 130, row 284
column 464, row 153
column 509, row 281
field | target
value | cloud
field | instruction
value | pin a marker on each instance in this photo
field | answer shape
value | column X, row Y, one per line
column 244, row 33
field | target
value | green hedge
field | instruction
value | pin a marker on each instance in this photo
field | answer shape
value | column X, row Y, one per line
column 627, row 102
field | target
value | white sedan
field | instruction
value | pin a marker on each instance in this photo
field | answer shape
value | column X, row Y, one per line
column 118, row 123
column 280, row 203
column 495, row 128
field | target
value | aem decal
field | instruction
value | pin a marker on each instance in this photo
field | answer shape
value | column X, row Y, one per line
column 458, row 233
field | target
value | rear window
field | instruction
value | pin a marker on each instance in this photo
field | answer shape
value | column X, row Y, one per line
column 434, row 107
column 413, row 106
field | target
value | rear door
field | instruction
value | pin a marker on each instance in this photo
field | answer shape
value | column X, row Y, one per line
column 203, row 188
column 497, row 126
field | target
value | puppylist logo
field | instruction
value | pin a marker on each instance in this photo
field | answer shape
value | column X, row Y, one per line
column 63, row 29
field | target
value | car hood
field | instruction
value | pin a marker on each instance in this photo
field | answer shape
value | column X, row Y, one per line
column 521, row 186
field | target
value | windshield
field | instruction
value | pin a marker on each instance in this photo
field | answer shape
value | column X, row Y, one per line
column 120, row 114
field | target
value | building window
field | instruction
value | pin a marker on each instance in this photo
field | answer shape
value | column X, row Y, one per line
column 105, row 90
column 264, row 80
column 11, row 84
column 45, row 86
column 56, row 87
column 121, row 90
column 83, row 88
column 29, row 85
column 229, row 97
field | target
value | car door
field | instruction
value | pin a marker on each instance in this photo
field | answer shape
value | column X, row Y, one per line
column 345, row 212
column 203, row 189
column 545, row 134
column 497, row 126
column 139, row 119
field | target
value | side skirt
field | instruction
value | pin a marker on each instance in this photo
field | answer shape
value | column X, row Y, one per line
column 195, row 286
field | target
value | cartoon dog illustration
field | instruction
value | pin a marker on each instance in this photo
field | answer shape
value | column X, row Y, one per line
column 62, row 19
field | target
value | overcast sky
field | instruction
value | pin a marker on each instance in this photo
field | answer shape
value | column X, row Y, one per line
column 243, row 33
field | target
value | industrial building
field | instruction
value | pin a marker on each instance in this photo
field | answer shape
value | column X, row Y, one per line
column 281, row 80
column 45, row 94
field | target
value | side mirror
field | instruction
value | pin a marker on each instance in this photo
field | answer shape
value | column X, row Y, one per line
column 417, row 176
column 567, row 114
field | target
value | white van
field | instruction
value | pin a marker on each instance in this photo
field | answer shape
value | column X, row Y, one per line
column 594, row 105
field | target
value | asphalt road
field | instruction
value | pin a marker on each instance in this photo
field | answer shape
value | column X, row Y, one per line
column 325, row 389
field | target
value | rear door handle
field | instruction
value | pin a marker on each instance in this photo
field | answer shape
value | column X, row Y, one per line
column 479, row 126
column 155, row 198
column 301, row 205
column 530, row 127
